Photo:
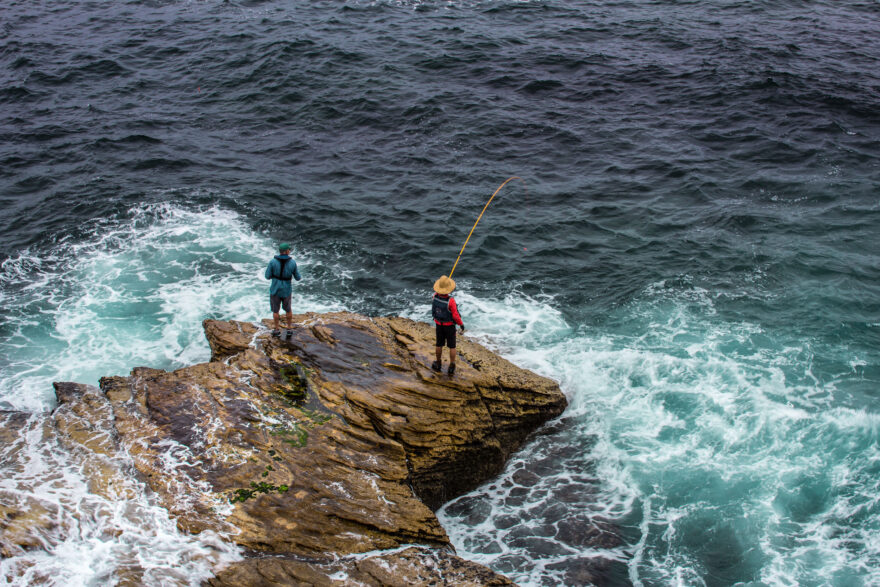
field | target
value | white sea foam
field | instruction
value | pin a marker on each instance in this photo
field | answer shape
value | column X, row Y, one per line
column 87, row 539
column 705, row 442
column 133, row 292
column 682, row 430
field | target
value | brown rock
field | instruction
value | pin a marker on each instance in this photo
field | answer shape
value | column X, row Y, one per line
column 455, row 443
column 340, row 440
column 83, row 421
column 24, row 520
column 37, row 513
column 407, row 568
column 228, row 338
column 81, row 429
column 320, row 440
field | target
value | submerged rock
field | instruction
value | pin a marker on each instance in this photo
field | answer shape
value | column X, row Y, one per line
column 336, row 441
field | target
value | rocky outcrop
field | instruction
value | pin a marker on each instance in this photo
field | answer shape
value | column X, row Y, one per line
column 339, row 440
column 412, row 566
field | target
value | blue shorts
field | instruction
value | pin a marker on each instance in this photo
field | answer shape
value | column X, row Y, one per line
column 276, row 302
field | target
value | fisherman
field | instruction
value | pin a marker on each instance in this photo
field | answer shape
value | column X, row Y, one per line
column 446, row 316
column 281, row 269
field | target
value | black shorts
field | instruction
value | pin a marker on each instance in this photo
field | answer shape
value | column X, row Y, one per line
column 276, row 302
column 446, row 335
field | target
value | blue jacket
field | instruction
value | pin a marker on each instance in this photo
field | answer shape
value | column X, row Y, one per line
column 281, row 287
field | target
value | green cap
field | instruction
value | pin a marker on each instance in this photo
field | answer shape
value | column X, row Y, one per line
column 284, row 247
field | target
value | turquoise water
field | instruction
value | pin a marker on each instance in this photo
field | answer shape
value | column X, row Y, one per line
column 134, row 292
column 715, row 446
column 713, row 451
column 693, row 256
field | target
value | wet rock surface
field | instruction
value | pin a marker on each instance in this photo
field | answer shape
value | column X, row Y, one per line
column 335, row 441
column 532, row 512
column 22, row 519
column 412, row 566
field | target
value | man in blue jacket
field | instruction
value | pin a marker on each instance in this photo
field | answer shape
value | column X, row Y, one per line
column 281, row 269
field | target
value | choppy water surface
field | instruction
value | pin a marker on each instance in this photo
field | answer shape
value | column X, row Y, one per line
column 694, row 256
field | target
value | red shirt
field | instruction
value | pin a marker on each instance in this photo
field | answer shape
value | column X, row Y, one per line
column 453, row 309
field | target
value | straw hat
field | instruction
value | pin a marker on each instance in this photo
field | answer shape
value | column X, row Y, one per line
column 444, row 285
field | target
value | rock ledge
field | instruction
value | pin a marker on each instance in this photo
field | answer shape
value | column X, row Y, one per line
column 338, row 441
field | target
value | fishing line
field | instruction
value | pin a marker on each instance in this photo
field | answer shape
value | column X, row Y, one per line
column 480, row 216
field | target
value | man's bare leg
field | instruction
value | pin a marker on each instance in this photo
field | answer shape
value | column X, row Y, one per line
column 277, row 320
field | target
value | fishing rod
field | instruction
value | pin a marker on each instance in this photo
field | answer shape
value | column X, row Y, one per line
column 478, row 220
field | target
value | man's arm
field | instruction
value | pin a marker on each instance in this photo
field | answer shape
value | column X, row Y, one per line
column 296, row 274
column 269, row 272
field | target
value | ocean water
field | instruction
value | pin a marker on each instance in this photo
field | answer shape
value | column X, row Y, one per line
column 693, row 255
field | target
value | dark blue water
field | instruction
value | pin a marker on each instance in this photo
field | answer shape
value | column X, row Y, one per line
column 693, row 254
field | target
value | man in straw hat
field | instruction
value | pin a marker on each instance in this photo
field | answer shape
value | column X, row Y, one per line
column 281, row 270
column 446, row 316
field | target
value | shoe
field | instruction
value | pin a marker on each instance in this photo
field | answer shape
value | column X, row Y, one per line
column 288, row 334
column 436, row 366
column 276, row 333
column 451, row 369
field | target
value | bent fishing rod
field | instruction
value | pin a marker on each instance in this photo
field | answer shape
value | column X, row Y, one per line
column 506, row 181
